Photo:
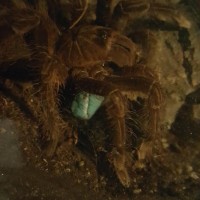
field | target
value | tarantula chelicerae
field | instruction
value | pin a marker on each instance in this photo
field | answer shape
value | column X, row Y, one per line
column 46, row 44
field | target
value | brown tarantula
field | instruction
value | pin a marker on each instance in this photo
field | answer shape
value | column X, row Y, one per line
column 46, row 43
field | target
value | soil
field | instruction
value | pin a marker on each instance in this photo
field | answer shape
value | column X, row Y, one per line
column 75, row 173
column 25, row 173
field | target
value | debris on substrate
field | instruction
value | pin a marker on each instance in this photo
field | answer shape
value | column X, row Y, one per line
column 174, row 171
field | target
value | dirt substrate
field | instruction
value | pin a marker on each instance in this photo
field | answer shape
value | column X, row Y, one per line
column 71, row 174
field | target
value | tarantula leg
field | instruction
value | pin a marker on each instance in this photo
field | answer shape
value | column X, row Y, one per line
column 142, row 79
column 53, row 125
column 149, row 87
column 116, row 110
column 137, row 9
column 53, row 75
column 116, row 107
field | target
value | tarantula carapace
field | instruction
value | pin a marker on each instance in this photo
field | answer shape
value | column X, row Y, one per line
column 48, row 43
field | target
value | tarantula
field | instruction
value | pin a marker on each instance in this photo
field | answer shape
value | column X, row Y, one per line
column 44, row 44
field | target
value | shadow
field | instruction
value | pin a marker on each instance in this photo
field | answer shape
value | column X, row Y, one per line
column 185, row 125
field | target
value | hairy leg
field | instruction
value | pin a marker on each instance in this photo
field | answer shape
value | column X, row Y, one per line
column 134, row 10
column 116, row 107
column 17, row 22
column 143, row 80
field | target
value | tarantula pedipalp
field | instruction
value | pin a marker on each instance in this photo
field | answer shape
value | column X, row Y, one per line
column 84, row 53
